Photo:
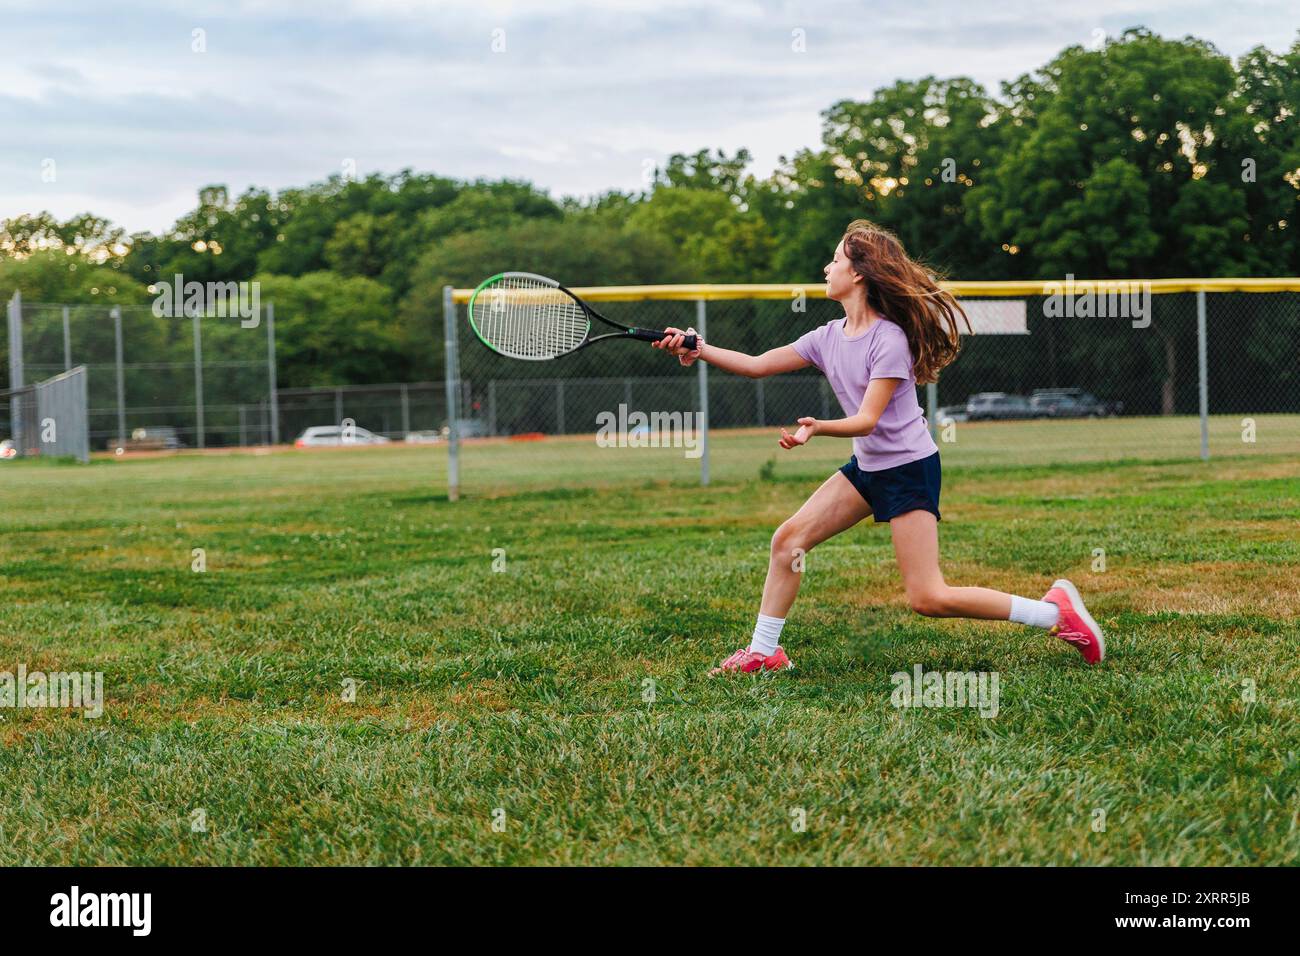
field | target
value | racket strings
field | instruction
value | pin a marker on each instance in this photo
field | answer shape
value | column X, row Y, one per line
column 524, row 317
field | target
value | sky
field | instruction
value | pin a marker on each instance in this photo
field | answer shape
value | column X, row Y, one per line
column 125, row 109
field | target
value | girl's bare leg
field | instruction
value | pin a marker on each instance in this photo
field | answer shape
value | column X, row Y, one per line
column 834, row 507
column 916, row 545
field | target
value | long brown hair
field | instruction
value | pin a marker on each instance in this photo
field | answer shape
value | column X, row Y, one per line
column 908, row 294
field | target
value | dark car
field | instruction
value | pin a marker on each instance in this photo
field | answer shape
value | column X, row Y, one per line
column 996, row 406
column 1070, row 403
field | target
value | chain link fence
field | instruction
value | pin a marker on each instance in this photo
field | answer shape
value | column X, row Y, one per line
column 181, row 381
column 1077, row 379
column 162, row 382
column 1090, row 374
column 414, row 411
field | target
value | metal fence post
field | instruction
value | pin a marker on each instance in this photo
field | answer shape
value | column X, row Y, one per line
column 559, row 406
column 274, row 409
column 932, row 407
column 700, row 323
column 83, row 415
column 67, row 342
column 198, row 382
column 1203, row 370
column 15, row 317
column 451, row 375
column 121, row 384
column 406, row 411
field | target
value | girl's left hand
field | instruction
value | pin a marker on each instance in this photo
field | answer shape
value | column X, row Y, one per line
column 807, row 428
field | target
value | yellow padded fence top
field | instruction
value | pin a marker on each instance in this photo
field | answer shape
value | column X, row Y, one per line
column 995, row 290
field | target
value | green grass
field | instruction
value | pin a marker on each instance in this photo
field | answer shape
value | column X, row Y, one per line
column 524, row 690
column 739, row 455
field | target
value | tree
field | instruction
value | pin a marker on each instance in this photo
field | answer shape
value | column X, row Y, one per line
column 1098, row 173
column 59, row 276
column 1259, row 153
column 220, row 241
column 361, row 244
column 704, row 171
column 1124, row 126
column 911, row 152
column 332, row 330
column 808, row 205
column 719, row 241
column 90, row 237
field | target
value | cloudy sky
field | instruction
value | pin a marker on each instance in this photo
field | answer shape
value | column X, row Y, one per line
column 136, row 110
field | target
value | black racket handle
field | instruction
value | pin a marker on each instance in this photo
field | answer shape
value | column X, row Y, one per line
column 649, row 335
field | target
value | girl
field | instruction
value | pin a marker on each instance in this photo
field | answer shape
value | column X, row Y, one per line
column 899, row 328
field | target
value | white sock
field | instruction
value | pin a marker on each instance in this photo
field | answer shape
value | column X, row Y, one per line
column 767, row 634
column 1042, row 614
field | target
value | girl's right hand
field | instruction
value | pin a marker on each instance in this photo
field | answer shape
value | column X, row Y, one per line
column 672, row 342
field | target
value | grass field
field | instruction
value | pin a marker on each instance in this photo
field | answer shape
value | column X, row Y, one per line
column 494, row 466
column 523, row 691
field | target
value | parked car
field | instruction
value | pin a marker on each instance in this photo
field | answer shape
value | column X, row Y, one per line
column 467, row 428
column 954, row 413
column 8, row 449
column 328, row 435
column 1070, row 403
column 996, row 406
column 423, row 438
column 149, row 438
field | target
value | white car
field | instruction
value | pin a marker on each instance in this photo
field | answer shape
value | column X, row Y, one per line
column 328, row 435
column 423, row 438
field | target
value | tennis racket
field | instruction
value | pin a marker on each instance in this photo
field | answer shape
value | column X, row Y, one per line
column 525, row 316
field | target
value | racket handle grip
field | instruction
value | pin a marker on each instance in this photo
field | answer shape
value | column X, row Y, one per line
column 649, row 335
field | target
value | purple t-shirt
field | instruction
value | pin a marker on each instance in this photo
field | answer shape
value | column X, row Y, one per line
column 902, row 434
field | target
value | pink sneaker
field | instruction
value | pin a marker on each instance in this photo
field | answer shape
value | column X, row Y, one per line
column 1075, row 623
column 746, row 661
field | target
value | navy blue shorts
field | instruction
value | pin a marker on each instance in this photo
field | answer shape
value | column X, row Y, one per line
column 898, row 490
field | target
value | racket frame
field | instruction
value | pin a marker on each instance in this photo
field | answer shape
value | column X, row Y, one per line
column 625, row 331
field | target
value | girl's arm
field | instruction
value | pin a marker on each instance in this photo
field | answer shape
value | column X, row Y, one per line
column 771, row 362
column 879, row 392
